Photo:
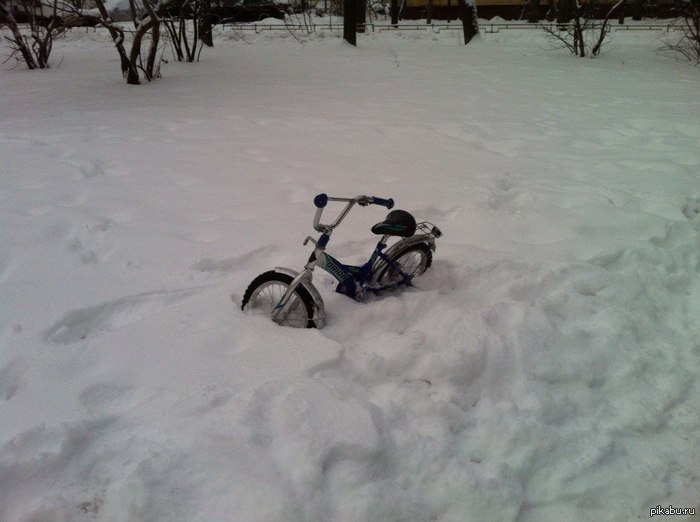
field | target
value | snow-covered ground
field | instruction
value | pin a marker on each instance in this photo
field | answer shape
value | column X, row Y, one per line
column 545, row 368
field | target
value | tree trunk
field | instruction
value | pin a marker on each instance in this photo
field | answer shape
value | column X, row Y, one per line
column 470, row 22
column 175, row 43
column 132, row 77
column 151, row 70
column 564, row 12
column 533, row 12
column 579, row 42
column 182, row 35
column 361, row 13
column 118, row 38
column 350, row 22
column 637, row 10
column 134, row 13
column 205, row 24
column 394, row 8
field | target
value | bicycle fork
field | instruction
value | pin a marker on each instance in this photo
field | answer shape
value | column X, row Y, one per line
column 283, row 307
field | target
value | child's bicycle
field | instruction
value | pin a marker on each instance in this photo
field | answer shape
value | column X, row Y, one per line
column 289, row 297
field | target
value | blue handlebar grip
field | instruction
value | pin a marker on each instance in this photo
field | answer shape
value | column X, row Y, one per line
column 388, row 203
column 321, row 200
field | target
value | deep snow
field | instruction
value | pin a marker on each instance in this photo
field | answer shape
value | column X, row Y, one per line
column 544, row 369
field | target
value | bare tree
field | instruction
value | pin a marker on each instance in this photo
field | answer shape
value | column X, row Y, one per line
column 570, row 36
column 577, row 30
column 685, row 39
column 32, row 45
column 132, row 62
column 602, row 34
column 180, row 15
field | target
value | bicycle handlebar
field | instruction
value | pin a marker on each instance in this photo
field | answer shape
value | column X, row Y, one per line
column 321, row 200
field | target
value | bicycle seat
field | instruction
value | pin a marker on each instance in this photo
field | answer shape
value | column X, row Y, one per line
column 397, row 223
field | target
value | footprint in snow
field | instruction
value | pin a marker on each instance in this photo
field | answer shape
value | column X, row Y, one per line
column 691, row 209
column 77, row 325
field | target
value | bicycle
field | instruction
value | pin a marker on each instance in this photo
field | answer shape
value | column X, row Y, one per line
column 290, row 298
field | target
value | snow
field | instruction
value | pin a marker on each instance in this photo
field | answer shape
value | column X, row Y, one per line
column 545, row 368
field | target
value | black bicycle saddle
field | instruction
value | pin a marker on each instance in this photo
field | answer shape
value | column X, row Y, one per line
column 397, row 223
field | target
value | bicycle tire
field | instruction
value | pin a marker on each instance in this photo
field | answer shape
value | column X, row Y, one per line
column 414, row 260
column 266, row 290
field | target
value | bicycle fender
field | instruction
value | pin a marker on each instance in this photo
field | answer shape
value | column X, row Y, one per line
column 319, row 317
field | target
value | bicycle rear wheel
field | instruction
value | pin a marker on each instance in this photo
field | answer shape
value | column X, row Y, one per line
column 412, row 260
column 266, row 291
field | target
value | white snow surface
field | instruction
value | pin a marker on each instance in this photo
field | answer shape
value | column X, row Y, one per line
column 545, row 368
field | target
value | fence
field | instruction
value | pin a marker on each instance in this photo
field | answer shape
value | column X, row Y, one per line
column 487, row 28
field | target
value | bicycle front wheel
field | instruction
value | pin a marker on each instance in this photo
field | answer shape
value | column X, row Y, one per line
column 266, row 291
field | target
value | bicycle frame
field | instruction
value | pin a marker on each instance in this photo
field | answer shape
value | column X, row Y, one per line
column 354, row 280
